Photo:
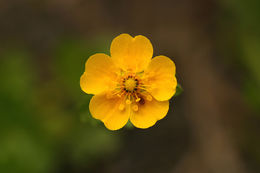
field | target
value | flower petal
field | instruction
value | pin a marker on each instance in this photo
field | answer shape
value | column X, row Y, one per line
column 100, row 72
column 161, row 78
column 107, row 110
column 148, row 113
column 131, row 53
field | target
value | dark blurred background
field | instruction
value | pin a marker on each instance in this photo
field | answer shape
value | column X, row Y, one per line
column 212, row 127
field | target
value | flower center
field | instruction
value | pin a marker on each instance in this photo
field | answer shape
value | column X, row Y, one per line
column 131, row 90
column 130, row 84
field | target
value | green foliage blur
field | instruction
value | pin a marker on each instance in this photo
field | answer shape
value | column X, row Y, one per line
column 239, row 23
column 45, row 123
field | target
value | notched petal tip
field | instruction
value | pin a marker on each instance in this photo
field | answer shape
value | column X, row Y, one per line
column 99, row 73
column 129, row 52
column 97, row 57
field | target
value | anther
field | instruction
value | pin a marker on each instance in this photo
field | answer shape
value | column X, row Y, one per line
column 138, row 99
column 128, row 102
column 135, row 107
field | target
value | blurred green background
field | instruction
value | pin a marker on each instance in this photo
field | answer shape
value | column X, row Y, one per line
column 212, row 127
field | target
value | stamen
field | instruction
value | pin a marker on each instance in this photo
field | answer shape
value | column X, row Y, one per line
column 135, row 107
column 137, row 98
column 131, row 87
column 143, row 86
column 121, row 93
column 128, row 101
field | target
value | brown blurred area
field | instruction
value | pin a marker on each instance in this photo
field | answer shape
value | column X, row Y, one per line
column 207, row 127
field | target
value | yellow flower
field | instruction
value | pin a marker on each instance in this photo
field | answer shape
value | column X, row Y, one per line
column 129, row 84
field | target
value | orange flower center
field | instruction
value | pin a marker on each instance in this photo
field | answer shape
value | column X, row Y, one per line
column 130, row 84
column 131, row 89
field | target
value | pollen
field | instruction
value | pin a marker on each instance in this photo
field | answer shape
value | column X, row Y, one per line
column 135, row 107
column 130, row 84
